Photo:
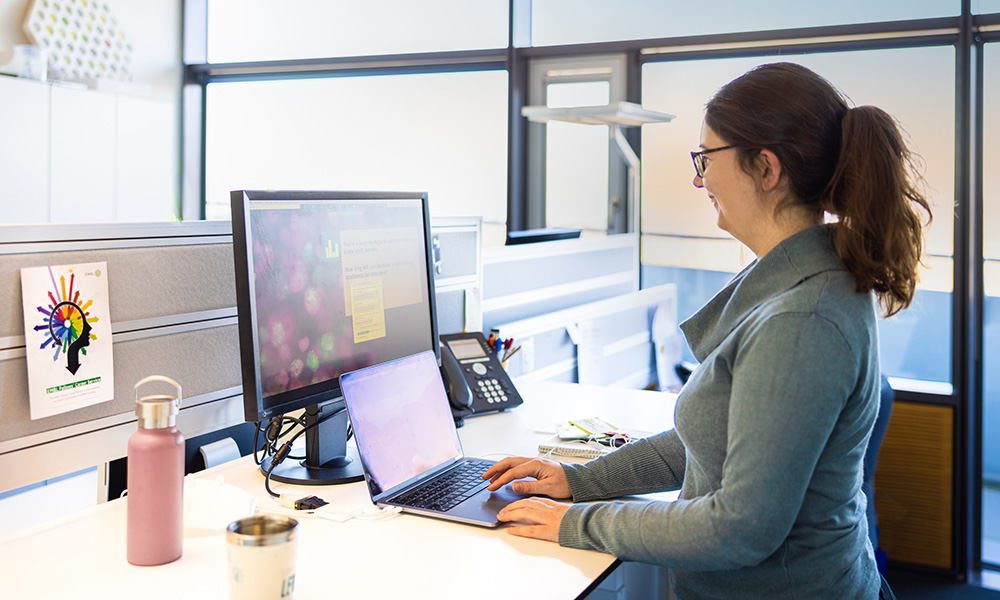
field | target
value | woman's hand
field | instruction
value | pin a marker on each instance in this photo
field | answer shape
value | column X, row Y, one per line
column 542, row 515
column 549, row 475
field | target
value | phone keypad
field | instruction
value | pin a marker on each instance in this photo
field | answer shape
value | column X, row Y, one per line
column 492, row 390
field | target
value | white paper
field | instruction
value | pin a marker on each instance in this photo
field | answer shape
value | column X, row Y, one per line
column 590, row 353
column 473, row 309
column 668, row 343
column 67, row 333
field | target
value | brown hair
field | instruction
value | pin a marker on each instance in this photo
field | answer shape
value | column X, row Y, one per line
column 849, row 162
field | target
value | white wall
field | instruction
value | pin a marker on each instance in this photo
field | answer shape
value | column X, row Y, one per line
column 154, row 31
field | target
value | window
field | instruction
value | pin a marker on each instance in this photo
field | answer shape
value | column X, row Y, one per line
column 991, row 306
column 557, row 22
column 445, row 134
column 574, row 176
column 576, row 161
column 253, row 30
column 985, row 6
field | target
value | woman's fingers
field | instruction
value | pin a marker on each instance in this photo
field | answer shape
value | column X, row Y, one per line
column 542, row 515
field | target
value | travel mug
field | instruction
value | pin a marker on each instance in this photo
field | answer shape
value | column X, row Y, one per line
column 261, row 551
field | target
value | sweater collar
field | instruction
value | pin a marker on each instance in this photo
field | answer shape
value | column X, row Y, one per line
column 797, row 258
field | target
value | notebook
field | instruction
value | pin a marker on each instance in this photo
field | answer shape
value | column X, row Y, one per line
column 408, row 442
column 578, row 448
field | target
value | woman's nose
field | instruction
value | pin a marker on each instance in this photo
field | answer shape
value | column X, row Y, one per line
column 698, row 183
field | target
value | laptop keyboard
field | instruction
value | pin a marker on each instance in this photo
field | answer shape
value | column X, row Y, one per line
column 448, row 490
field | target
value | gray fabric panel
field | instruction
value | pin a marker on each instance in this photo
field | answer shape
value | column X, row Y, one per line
column 201, row 362
column 458, row 254
column 142, row 282
column 451, row 311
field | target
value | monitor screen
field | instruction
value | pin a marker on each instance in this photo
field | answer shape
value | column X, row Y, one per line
column 327, row 282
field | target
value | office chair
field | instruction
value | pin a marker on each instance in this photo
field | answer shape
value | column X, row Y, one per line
column 886, row 397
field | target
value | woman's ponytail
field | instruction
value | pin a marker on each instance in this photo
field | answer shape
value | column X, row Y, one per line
column 850, row 162
column 879, row 233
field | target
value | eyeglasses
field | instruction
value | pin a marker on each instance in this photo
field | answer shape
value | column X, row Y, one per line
column 699, row 159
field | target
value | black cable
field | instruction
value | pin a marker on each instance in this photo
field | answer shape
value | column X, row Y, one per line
column 279, row 456
column 273, row 432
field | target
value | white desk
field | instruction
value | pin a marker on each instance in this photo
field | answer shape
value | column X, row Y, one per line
column 83, row 556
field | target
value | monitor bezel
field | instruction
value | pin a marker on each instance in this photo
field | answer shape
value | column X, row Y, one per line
column 318, row 393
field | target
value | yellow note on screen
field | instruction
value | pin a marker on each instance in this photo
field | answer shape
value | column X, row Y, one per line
column 368, row 309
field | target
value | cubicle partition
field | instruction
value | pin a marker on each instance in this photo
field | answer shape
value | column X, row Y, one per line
column 173, row 312
column 615, row 342
column 458, row 274
column 575, row 309
column 532, row 279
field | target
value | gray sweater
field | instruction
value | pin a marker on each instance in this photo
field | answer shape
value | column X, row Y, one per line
column 770, row 433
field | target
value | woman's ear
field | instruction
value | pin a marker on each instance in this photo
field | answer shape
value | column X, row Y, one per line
column 770, row 170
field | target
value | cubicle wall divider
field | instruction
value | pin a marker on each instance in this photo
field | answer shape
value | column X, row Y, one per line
column 532, row 279
column 609, row 342
column 458, row 274
column 575, row 308
column 172, row 302
column 173, row 312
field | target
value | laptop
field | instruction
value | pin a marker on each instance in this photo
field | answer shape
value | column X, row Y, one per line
column 408, row 443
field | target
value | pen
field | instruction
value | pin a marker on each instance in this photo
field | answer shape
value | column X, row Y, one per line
column 511, row 353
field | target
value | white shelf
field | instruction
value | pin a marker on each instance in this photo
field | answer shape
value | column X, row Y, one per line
column 625, row 114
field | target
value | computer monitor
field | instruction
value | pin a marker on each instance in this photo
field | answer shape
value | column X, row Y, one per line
column 327, row 282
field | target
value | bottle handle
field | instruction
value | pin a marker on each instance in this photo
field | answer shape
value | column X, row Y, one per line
column 164, row 379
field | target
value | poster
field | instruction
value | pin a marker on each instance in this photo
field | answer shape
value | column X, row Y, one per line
column 67, row 333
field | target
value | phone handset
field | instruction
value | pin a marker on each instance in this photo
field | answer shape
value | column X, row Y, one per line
column 459, row 392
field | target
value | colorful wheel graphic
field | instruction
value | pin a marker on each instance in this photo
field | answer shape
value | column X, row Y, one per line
column 67, row 323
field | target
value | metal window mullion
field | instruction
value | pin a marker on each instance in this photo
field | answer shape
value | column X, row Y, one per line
column 976, row 297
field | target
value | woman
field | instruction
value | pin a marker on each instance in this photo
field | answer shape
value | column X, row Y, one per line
column 771, row 429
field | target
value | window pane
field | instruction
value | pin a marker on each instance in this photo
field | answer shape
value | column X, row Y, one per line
column 991, row 306
column 591, row 93
column 250, row 30
column 576, row 160
column 985, row 6
column 556, row 22
column 679, row 223
column 445, row 134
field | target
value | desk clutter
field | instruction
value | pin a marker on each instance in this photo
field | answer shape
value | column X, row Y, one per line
column 587, row 438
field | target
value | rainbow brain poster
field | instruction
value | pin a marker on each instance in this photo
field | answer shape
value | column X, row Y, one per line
column 67, row 337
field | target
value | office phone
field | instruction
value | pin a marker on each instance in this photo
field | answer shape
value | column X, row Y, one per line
column 476, row 381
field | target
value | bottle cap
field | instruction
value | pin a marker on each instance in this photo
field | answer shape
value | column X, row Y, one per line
column 159, row 410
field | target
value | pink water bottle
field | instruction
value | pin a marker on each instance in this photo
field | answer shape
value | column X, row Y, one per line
column 155, row 509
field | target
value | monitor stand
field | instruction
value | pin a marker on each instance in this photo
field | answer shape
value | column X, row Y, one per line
column 330, row 458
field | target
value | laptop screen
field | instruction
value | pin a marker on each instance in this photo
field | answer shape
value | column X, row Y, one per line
column 401, row 418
